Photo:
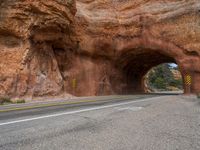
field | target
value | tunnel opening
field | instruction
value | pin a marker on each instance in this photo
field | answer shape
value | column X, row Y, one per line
column 164, row 78
column 135, row 65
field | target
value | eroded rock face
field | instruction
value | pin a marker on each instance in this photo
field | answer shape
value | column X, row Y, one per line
column 32, row 35
column 94, row 47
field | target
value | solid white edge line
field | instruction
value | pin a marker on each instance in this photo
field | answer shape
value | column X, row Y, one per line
column 78, row 111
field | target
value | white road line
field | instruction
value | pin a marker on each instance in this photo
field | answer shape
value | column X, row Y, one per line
column 77, row 111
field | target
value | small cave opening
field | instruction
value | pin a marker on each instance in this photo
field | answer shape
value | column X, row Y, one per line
column 135, row 66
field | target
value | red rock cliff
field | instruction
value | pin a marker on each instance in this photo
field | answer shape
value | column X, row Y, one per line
column 94, row 47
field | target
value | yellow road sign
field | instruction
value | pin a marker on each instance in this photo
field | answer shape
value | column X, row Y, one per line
column 188, row 79
column 74, row 83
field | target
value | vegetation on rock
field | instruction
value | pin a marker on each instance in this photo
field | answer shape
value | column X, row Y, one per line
column 163, row 78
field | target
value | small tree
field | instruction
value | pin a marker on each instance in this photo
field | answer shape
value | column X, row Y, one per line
column 161, row 77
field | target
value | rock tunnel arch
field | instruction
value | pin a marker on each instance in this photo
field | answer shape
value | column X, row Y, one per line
column 135, row 60
column 136, row 63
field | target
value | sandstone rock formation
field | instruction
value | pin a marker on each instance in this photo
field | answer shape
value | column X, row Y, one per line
column 94, row 47
column 32, row 35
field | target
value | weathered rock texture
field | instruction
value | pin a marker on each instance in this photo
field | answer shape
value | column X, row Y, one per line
column 36, row 39
column 94, row 47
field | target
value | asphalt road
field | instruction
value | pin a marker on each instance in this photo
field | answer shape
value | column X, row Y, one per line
column 156, row 123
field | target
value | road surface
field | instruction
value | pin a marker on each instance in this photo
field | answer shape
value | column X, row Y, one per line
column 155, row 123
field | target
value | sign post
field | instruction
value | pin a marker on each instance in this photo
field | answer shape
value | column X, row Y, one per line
column 188, row 82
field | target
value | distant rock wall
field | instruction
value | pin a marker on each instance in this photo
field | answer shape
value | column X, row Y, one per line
column 94, row 47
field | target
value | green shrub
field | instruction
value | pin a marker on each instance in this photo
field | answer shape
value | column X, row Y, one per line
column 162, row 78
column 20, row 101
column 5, row 99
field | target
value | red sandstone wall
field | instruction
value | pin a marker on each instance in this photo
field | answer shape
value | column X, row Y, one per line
column 96, row 47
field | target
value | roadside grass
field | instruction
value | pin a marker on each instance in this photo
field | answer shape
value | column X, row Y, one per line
column 7, row 100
